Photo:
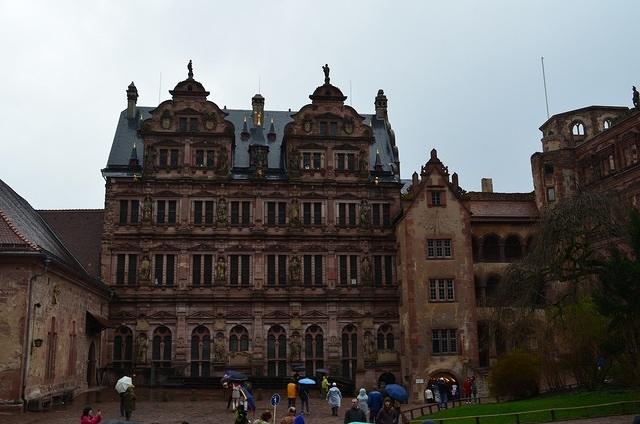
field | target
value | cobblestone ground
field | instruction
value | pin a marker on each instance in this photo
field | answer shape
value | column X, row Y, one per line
column 195, row 407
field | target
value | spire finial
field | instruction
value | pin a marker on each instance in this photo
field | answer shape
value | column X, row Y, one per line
column 326, row 70
column 190, row 68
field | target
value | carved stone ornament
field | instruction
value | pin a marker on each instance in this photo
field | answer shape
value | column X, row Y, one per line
column 221, row 269
column 348, row 126
column 210, row 122
column 221, row 211
column 145, row 269
column 294, row 269
column 147, row 210
column 307, row 125
column 165, row 121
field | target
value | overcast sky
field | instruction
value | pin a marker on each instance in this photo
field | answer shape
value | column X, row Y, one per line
column 461, row 76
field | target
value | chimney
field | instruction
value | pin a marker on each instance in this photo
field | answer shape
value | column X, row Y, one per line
column 487, row 185
column 414, row 181
column 454, row 180
column 132, row 98
column 257, row 104
column 381, row 105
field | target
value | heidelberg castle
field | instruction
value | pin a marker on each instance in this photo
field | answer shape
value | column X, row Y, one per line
column 272, row 241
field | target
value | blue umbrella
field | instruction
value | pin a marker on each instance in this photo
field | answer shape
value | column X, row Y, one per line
column 237, row 376
column 306, row 381
column 397, row 392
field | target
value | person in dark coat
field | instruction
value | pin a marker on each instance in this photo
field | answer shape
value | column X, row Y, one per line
column 129, row 403
column 387, row 414
column 354, row 414
column 375, row 403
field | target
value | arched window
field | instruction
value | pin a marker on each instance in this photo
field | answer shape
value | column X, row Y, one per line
column 512, row 248
column 349, row 351
column 606, row 124
column 276, row 352
column 313, row 349
column 491, row 248
column 161, row 349
column 200, row 352
column 238, row 339
column 578, row 128
column 493, row 285
column 123, row 348
column 386, row 341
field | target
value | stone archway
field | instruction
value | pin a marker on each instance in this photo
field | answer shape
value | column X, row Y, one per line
column 386, row 378
column 449, row 380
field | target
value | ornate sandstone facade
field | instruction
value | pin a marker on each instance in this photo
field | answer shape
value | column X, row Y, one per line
column 256, row 240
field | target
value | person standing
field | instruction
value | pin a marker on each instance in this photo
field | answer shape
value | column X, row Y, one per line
column 265, row 418
column 428, row 395
column 363, row 401
column 324, row 387
column 292, row 393
column 303, row 394
column 334, row 398
column 375, row 403
column 454, row 391
column 89, row 418
column 129, row 402
column 466, row 390
column 354, row 414
column 387, row 414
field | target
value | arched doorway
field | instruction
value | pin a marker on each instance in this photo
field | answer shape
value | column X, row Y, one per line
column 448, row 379
column 91, row 365
column 386, row 378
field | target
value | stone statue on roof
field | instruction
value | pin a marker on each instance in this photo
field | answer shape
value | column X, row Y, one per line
column 325, row 69
column 190, row 68
column 636, row 98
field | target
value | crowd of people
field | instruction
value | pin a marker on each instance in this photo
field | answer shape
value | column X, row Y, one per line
column 440, row 392
column 373, row 406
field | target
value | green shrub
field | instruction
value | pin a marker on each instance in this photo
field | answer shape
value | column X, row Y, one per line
column 516, row 375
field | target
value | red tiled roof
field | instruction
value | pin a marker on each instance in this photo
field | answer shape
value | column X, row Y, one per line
column 81, row 231
column 9, row 236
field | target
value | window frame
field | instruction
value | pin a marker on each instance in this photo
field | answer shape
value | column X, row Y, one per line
column 444, row 247
column 441, row 290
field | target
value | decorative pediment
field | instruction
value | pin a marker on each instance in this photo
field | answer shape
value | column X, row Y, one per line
column 277, row 315
column 238, row 314
column 121, row 247
column 350, row 313
column 348, row 196
column 202, row 193
column 122, row 315
column 166, row 193
column 240, row 248
column 202, row 247
column 200, row 315
column 239, row 194
column 167, row 142
column 277, row 247
column 313, row 195
column 315, row 248
column 346, row 146
column 187, row 111
column 311, row 146
column 166, row 247
column 315, row 315
column 162, row 316
column 276, row 194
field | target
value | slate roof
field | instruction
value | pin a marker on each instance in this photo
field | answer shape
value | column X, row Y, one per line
column 126, row 135
column 31, row 233
column 81, row 231
column 492, row 205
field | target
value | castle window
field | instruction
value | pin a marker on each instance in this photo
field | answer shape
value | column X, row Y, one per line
column 277, row 270
column 606, row 124
column 345, row 161
column 349, row 351
column 123, row 348
column 276, row 213
column 202, row 270
column 183, row 124
column 200, row 352
column 312, row 270
column 313, row 349
column 166, row 211
column 346, row 214
column 240, row 212
column 441, row 290
column 161, row 347
column 444, row 342
column 276, row 352
column 436, row 197
column 204, row 158
column 512, row 248
column 194, row 124
column 238, row 339
column 129, row 212
column 383, row 270
column 164, row 270
column 126, row 269
column 312, row 160
column 385, row 339
column 551, row 194
column 203, row 212
column 168, row 158
column 548, row 169
column 380, row 214
column 578, row 129
column 240, row 272
column 312, row 213
column 348, row 269
column 439, row 248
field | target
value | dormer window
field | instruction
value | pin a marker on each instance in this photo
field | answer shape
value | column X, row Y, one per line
column 578, row 129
